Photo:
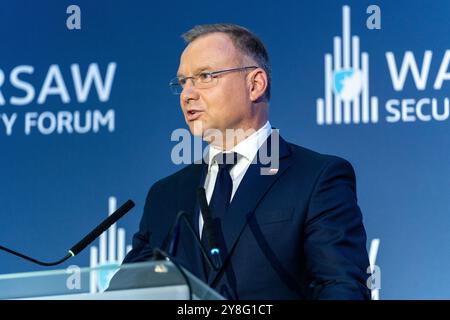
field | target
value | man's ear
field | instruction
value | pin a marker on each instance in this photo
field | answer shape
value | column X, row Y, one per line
column 258, row 84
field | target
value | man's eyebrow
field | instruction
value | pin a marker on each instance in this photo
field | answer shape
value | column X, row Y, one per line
column 197, row 71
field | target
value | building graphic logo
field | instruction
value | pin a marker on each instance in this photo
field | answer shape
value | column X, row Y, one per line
column 347, row 97
column 108, row 256
column 374, row 281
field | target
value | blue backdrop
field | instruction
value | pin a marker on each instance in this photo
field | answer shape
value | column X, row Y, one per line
column 87, row 114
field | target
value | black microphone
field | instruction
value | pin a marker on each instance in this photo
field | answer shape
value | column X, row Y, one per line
column 174, row 236
column 91, row 236
column 208, row 225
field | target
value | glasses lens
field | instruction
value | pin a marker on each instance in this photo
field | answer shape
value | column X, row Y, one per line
column 175, row 86
column 205, row 80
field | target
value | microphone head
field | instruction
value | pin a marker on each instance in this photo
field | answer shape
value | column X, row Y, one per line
column 208, row 223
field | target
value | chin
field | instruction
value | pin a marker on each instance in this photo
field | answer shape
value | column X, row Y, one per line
column 196, row 128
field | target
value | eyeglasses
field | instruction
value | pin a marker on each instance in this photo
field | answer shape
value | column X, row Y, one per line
column 202, row 80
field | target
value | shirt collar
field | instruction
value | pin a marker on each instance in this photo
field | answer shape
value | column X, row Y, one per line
column 248, row 147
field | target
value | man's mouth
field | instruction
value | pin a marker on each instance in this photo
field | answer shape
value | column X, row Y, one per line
column 192, row 115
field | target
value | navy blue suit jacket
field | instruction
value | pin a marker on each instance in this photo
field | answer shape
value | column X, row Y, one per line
column 297, row 234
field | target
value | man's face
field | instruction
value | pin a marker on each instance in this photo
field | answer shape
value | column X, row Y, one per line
column 227, row 104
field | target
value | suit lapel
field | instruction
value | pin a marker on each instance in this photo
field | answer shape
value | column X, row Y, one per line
column 188, row 250
column 251, row 190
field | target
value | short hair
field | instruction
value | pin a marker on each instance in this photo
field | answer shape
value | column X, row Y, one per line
column 243, row 39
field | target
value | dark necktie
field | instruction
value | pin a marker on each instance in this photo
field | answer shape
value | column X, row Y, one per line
column 223, row 187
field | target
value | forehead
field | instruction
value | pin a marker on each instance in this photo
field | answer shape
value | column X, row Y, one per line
column 215, row 50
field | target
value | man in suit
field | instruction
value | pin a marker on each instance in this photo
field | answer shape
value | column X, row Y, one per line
column 294, row 232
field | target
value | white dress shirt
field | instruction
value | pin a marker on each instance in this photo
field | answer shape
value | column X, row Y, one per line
column 246, row 150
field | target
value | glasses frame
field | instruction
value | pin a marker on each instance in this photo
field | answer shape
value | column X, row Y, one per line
column 175, row 83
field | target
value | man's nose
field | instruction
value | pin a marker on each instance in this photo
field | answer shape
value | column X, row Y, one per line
column 189, row 91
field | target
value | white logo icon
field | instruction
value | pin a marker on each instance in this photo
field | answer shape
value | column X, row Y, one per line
column 110, row 262
column 374, row 281
column 346, row 82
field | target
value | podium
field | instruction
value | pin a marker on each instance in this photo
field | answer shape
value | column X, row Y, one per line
column 155, row 280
